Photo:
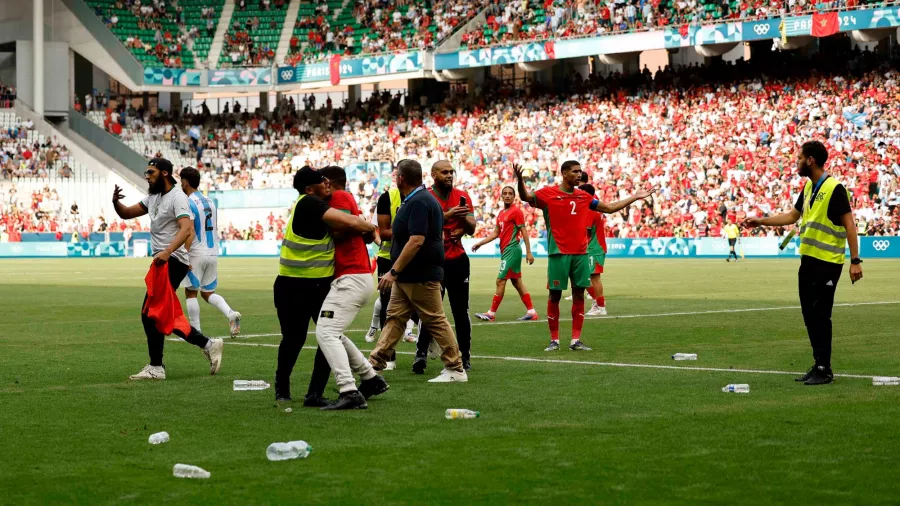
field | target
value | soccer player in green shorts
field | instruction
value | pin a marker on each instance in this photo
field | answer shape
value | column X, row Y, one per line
column 568, row 214
column 510, row 224
column 597, row 253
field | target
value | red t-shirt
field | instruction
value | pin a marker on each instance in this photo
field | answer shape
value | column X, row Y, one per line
column 453, row 248
column 568, row 216
column 510, row 222
column 350, row 253
column 599, row 222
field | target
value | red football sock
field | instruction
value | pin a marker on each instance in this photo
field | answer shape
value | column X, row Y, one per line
column 496, row 302
column 590, row 292
column 526, row 299
column 601, row 301
column 577, row 318
column 553, row 319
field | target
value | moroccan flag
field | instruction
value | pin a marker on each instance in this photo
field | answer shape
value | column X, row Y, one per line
column 550, row 49
column 683, row 30
column 334, row 68
column 824, row 25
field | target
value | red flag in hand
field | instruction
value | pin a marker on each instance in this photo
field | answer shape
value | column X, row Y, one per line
column 334, row 67
column 824, row 25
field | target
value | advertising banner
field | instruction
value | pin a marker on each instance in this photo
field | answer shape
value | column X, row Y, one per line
column 171, row 77
column 350, row 68
column 240, row 77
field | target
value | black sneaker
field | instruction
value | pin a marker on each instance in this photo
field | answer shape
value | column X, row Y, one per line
column 578, row 345
column 282, row 391
column 373, row 386
column 315, row 401
column 467, row 365
column 420, row 364
column 347, row 400
column 820, row 376
column 806, row 376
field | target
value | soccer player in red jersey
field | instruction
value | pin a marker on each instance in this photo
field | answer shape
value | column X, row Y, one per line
column 510, row 223
column 350, row 289
column 568, row 214
column 459, row 220
column 597, row 256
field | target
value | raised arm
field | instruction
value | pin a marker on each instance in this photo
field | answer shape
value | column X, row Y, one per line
column 779, row 220
column 127, row 212
column 614, row 207
column 524, row 195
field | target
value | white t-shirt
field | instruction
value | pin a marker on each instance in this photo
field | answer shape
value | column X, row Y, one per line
column 165, row 209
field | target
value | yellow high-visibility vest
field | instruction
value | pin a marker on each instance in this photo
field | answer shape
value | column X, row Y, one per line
column 396, row 200
column 305, row 258
column 819, row 237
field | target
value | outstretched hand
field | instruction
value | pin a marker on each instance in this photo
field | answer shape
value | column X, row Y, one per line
column 751, row 223
column 117, row 194
column 517, row 170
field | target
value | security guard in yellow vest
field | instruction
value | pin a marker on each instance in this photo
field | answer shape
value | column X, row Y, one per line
column 305, row 272
column 826, row 227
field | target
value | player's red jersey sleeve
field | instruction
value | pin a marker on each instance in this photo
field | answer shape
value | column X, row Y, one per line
column 600, row 223
column 542, row 197
column 518, row 217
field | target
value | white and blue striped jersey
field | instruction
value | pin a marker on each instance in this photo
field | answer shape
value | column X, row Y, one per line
column 203, row 213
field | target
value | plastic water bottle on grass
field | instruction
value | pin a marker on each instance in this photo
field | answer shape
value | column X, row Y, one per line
column 740, row 388
column 684, row 356
column 456, row 414
column 159, row 438
column 886, row 381
column 186, row 471
column 250, row 385
column 288, row 451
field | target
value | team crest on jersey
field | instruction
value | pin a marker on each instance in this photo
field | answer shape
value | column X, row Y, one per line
column 327, row 314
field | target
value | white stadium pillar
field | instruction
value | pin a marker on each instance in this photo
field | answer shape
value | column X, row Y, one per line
column 38, row 71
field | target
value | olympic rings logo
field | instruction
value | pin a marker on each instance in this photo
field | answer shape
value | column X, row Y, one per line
column 287, row 74
column 881, row 245
column 761, row 29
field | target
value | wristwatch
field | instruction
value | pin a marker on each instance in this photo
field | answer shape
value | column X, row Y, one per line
column 855, row 261
column 394, row 273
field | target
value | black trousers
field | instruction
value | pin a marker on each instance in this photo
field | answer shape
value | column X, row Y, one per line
column 297, row 300
column 818, row 281
column 456, row 285
column 155, row 339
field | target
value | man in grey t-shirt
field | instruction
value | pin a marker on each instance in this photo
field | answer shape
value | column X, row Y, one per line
column 170, row 229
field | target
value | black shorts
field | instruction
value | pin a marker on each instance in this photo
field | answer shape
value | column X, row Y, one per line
column 732, row 242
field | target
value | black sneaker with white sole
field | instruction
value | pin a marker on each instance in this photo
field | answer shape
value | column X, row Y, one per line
column 347, row 400
column 373, row 386
column 578, row 346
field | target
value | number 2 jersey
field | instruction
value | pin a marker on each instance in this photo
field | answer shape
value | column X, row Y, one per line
column 568, row 217
column 203, row 214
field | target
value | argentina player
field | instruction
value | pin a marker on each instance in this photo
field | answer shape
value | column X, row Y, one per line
column 204, row 251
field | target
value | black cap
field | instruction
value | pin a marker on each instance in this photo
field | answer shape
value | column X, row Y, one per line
column 305, row 177
column 162, row 164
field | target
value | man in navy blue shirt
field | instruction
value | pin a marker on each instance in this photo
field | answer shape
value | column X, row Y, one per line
column 417, row 254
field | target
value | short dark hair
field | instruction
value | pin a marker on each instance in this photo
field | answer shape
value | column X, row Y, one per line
column 816, row 150
column 584, row 177
column 192, row 176
column 410, row 171
column 568, row 164
column 334, row 173
column 588, row 188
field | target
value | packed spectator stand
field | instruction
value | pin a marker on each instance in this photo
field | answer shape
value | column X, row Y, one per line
column 252, row 39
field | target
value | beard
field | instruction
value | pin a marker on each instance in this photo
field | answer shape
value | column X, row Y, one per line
column 158, row 187
column 805, row 170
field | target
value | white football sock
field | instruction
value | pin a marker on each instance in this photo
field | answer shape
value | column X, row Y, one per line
column 193, row 308
column 219, row 303
column 376, row 314
column 409, row 326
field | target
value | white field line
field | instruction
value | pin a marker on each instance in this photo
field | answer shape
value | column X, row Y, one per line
column 600, row 364
column 515, row 322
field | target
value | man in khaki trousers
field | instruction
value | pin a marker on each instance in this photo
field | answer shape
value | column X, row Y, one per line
column 417, row 254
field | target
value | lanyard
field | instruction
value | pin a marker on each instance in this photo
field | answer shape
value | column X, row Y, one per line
column 414, row 192
column 812, row 196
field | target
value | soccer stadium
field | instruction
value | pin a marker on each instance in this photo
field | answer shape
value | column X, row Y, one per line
column 696, row 204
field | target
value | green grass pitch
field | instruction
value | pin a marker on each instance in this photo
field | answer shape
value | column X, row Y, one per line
column 74, row 430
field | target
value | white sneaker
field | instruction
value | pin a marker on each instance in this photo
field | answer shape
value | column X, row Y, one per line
column 434, row 350
column 596, row 311
column 234, row 322
column 410, row 337
column 370, row 335
column 449, row 376
column 150, row 372
column 390, row 365
column 569, row 297
column 214, row 355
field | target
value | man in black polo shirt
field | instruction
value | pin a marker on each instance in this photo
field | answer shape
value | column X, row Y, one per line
column 417, row 256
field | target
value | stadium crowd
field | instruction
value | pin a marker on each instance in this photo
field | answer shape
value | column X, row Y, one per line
column 527, row 20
